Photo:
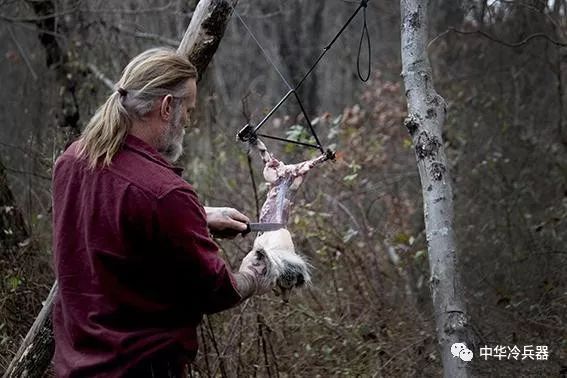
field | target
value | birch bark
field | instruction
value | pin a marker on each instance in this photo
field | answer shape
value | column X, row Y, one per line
column 426, row 115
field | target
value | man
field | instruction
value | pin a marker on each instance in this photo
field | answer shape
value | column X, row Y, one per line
column 133, row 257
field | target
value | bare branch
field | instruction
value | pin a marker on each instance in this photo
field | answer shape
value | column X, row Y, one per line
column 35, row 19
column 145, row 35
column 38, row 18
column 22, row 52
column 497, row 40
column 34, row 28
column 133, row 11
column 99, row 75
column 532, row 8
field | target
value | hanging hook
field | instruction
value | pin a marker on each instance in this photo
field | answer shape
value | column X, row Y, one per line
column 247, row 134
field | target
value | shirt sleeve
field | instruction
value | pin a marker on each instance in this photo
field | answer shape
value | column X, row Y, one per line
column 184, row 236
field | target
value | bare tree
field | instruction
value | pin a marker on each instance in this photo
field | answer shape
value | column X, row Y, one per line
column 426, row 115
column 199, row 44
column 57, row 59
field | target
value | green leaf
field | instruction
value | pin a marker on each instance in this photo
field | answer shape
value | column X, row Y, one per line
column 349, row 235
column 420, row 254
column 14, row 282
column 338, row 120
column 349, row 178
column 402, row 238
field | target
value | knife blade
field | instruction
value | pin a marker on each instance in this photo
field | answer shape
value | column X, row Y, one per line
column 262, row 227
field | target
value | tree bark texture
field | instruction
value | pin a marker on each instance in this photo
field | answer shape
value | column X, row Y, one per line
column 426, row 115
column 58, row 60
column 200, row 42
column 205, row 31
column 36, row 351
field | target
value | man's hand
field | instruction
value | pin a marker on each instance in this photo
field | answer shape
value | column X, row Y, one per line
column 225, row 222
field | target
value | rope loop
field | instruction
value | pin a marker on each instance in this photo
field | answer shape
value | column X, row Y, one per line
column 365, row 32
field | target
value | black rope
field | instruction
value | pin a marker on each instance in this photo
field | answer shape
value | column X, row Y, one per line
column 247, row 134
column 263, row 50
column 328, row 47
column 308, row 122
column 280, row 103
column 364, row 32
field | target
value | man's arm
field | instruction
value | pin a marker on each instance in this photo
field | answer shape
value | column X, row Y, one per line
column 245, row 284
column 253, row 277
column 185, row 238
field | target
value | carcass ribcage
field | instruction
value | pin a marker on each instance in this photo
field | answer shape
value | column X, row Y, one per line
column 283, row 181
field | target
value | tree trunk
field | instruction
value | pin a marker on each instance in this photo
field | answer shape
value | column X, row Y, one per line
column 36, row 351
column 57, row 59
column 199, row 43
column 205, row 32
column 426, row 115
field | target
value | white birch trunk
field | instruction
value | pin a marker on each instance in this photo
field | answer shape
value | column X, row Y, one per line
column 426, row 115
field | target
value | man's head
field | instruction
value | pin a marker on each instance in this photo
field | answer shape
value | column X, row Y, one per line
column 153, row 100
column 166, row 122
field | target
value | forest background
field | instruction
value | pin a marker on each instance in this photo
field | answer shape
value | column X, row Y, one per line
column 499, row 64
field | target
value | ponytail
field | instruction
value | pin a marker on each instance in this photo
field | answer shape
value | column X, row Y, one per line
column 105, row 132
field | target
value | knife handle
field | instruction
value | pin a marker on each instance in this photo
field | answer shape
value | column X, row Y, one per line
column 230, row 233
column 247, row 231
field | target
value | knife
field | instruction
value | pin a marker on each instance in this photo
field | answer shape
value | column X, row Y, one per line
column 262, row 227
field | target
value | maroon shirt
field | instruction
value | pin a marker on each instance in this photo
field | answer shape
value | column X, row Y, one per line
column 135, row 263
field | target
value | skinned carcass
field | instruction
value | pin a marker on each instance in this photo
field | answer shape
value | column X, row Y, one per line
column 286, row 268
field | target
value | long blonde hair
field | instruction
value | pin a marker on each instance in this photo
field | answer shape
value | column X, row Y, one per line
column 153, row 73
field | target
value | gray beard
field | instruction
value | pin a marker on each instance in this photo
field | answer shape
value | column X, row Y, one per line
column 174, row 149
column 173, row 144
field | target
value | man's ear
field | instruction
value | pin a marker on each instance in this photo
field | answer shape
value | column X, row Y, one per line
column 166, row 107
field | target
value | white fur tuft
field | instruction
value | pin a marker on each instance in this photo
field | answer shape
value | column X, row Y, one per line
column 286, row 268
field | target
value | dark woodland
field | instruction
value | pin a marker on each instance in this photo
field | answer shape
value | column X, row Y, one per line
column 359, row 220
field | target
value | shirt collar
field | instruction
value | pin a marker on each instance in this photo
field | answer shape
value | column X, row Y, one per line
column 139, row 146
